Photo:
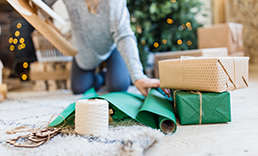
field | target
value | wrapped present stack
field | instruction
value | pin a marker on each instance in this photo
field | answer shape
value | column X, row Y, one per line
column 201, row 86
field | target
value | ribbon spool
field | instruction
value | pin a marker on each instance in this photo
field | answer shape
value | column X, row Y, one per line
column 91, row 116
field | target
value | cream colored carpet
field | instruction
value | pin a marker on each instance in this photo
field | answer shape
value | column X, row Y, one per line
column 35, row 108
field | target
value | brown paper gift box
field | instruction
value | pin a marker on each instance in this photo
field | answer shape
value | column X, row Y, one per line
column 30, row 14
column 228, row 35
column 204, row 74
column 211, row 52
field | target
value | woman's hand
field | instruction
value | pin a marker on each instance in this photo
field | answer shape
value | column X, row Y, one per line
column 143, row 85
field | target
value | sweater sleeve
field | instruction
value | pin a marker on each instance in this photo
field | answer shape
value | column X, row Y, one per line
column 125, row 39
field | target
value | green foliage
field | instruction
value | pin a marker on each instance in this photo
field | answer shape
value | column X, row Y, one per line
column 160, row 25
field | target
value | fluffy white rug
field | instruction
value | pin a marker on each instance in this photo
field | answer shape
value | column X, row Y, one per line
column 32, row 108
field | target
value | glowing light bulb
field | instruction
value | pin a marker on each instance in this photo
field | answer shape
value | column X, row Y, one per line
column 25, row 65
column 170, row 21
column 15, row 41
column 164, row 41
column 17, row 33
column 179, row 41
column 22, row 40
column 156, row 44
column 143, row 42
column 12, row 48
column 10, row 40
column 24, row 77
column 23, row 45
column 189, row 42
column 19, row 25
column 188, row 24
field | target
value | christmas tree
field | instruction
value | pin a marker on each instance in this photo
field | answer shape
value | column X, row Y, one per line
column 164, row 25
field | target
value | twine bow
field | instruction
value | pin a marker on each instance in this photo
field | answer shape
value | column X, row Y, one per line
column 200, row 98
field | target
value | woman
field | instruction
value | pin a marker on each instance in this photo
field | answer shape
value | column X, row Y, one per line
column 101, row 32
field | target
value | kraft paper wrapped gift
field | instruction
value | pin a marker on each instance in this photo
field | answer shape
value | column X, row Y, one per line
column 202, row 107
column 211, row 52
column 204, row 74
column 228, row 35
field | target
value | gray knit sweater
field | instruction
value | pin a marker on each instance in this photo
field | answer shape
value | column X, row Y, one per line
column 96, row 35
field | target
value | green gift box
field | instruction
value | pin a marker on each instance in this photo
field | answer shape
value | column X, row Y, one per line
column 202, row 107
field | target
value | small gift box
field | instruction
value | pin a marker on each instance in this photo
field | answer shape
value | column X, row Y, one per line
column 228, row 35
column 202, row 107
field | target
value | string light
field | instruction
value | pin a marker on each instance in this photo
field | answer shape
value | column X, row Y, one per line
column 156, row 44
column 188, row 24
column 19, row 25
column 183, row 26
column 12, row 48
column 23, row 45
column 189, row 28
column 25, row 65
column 10, row 40
column 173, row 1
column 170, row 21
column 15, row 41
column 22, row 40
column 143, row 42
column 24, row 77
column 164, row 41
column 189, row 42
column 179, row 41
column 20, row 47
column 17, row 33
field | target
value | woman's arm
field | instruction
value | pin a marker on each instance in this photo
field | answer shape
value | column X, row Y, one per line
column 126, row 44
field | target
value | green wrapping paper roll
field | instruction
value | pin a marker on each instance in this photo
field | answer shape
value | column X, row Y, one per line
column 155, row 110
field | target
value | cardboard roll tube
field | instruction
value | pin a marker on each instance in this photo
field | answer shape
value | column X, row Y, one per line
column 166, row 125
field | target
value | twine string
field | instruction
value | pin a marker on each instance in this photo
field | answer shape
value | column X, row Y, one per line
column 200, row 98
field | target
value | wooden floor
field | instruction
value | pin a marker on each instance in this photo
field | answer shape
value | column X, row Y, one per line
column 237, row 138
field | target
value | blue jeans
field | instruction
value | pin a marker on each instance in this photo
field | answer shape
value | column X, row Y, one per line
column 117, row 77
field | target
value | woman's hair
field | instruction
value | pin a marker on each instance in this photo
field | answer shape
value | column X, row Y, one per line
column 92, row 5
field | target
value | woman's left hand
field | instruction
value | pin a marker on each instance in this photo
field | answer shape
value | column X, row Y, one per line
column 143, row 85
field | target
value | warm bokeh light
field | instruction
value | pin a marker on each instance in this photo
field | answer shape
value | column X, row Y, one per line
column 183, row 26
column 164, row 41
column 23, row 45
column 173, row 1
column 19, row 25
column 156, row 44
column 20, row 47
column 179, row 41
column 22, row 40
column 25, row 65
column 170, row 21
column 15, row 41
column 188, row 24
column 190, row 28
column 17, row 33
column 189, row 42
column 10, row 40
column 143, row 42
column 12, row 48
column 24, row 77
